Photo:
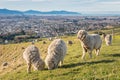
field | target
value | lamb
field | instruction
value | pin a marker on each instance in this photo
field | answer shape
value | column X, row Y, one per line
column 32, row 57
column 56, row 53
column 108, row 39
column 89, row 42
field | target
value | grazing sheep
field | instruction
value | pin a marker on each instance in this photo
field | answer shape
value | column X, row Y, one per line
column 56, row 53
column 89, row 42
column 55, row 37
column 33, row 42
column 69, row 42
column 31, row 56
column 103, row 35
column 50, row 39
column 108, row 39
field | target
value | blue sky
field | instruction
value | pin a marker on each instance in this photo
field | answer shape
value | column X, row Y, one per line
column 69, row 5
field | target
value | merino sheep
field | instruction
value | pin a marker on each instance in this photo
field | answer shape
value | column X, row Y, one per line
column 89, row 42
column 32, row 57
column 56, row 53
column 108, row 39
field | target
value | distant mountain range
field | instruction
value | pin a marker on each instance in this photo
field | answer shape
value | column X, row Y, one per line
column 62, row 12
column 32, row 12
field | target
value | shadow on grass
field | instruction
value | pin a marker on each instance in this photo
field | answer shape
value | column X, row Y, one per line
column 115, row 55
column 89, row 63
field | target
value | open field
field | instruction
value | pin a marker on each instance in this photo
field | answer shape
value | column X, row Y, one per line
column 106, row 66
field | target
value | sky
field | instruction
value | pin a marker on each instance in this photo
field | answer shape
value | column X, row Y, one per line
column 69, row 5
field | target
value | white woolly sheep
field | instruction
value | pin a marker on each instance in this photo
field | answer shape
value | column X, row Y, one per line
column 32, row 57
column 108, row 39
column 56, row 53
column 89, row 42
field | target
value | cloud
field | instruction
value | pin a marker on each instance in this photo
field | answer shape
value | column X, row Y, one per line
column 14, row 0
column 30, row 0
column 40, row 0
column 111, row 3
column 83, row 1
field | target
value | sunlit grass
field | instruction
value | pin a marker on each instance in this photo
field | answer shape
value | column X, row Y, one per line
column 106, row 66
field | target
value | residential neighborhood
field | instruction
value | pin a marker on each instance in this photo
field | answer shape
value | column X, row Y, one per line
column 51, row 26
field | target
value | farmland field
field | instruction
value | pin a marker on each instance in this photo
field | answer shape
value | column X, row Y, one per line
column 106, row 66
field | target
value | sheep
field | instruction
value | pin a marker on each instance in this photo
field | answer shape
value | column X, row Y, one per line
column 50, row 39
column 103, row 35
column 89, row 42
column 56, row 53
column 55, row 37
column 32, row 57
column 108, row 39
column 33, row 42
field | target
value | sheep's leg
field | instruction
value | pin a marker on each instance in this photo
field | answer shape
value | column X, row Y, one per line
column 83, row 56
column 84, row 52
column 97, row 52
column 61, row 62
column 29, row 67
column 35, row 67
column 90, row 53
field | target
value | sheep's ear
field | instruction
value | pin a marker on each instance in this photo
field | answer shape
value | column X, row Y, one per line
column 51, row 65
column 78, row 37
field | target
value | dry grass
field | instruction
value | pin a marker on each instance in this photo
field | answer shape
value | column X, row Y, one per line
column 103, row 67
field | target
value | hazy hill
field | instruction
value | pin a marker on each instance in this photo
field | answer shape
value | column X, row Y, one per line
column 33, row 12
column 9, row 12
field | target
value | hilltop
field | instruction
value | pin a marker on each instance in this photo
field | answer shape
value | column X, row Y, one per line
column 105, row 67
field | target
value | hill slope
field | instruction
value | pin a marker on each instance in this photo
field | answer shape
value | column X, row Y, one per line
column 103, row 67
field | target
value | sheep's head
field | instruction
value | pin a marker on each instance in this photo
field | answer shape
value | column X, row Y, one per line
column 82, row 34
column 39, row 65
column 108, row 39
column 51, row 65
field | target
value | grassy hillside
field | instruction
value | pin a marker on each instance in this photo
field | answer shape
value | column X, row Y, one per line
column 103, row 67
